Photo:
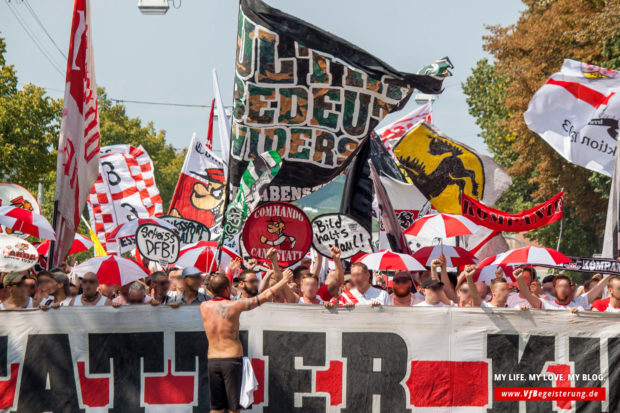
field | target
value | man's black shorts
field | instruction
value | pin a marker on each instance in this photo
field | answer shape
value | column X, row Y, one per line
column 225, row 376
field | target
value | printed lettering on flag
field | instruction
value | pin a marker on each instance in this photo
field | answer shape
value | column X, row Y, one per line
column 79, row 142
column 391, row 134
column 200, row 192
column 125, row 190
column 309, row 95
column 577, row 112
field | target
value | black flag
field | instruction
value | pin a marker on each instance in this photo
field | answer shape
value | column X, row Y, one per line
column 308, row 94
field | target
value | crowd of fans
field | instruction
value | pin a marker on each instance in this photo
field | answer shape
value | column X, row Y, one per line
column 312, row 284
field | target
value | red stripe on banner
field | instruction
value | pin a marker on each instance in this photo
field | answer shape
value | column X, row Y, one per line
column 7, row 388
column 258, row 366
column 169, row 389
column 582, row 92
column 448, row 383
column 561, row 370
column 96, row 391
column 330, row 381
column 210, row 130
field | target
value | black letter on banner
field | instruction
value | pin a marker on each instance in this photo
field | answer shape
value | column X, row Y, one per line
column 126, row 349
column 284, row 380
column 503, row 350
column 613, row 357
column 363, row 381
column 187, row 347
column 585, row 352
column 48, row 356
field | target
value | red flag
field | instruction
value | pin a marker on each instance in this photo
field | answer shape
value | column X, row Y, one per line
column 78, row 146
column 210, row 131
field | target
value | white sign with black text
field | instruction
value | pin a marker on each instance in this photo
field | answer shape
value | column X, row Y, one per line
column 342, row 231
column 158, row 244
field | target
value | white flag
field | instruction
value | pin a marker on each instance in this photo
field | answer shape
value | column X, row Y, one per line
column 78, row 146
column 576, row 112
column 611, row 244
column 391, row 134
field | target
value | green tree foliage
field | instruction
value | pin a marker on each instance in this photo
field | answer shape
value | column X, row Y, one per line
column 498, row 93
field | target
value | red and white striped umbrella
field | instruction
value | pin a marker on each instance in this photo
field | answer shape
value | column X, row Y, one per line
column 80, row 243
column 531, row 255
column 112, row 270
column 442, row 226
column 455, row 256
column 485, row 272
column 385, row 260
column 28, row 222
column 128, row 230
column 203, row 254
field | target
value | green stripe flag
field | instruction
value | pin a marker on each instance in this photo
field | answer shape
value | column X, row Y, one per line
column 254, row 181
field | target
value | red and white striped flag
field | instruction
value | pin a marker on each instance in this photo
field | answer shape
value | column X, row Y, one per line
column 78, row 146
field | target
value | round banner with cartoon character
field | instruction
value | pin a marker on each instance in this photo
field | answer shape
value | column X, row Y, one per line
column 17, row 195
column 16, row 254
column 279, row 225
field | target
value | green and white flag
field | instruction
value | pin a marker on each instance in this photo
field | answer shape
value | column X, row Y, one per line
column 254, row 182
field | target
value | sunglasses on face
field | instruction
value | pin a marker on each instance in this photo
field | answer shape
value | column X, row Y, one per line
column 251, row 281
column 401, row 281
column 464, row 290
column 163, row 283
column 45, row 281
column 87, row 281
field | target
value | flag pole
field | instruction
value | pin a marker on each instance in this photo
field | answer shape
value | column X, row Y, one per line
column 561, row 227
column 50, row 254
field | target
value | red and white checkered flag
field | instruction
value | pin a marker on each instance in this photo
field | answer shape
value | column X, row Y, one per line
column 125, row 190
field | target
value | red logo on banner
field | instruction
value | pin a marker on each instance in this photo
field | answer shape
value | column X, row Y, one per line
column 279, row 225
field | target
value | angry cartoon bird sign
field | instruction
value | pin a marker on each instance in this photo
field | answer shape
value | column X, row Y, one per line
column 278, row 225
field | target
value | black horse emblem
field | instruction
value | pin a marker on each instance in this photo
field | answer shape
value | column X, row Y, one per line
column 450, row 171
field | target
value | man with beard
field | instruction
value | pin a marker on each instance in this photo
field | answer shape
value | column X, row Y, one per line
column 248, row 285
column 90, row 295
column 564, row 294
column 363, row 293
column 402, row 295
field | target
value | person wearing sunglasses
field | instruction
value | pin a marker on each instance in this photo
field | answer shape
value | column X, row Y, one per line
column 160, row 285
column 19, row 296
column 90, row 295
column 402, row 295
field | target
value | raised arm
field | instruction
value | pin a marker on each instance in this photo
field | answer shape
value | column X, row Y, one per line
column 335, row 280
column 264, row 282
column 289, row 295
column 248, row 304
column 525, row 290
column 598, row 289
column 469, row 275
column 317, row 265
column 447, row 285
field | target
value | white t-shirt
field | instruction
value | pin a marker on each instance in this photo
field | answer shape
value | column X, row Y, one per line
column 515, row 301
column 611, row 309
column 301, row 301
column 415, row 299
column 371, row 295
column 581, row 302
column 489, row 305
column 439, row 304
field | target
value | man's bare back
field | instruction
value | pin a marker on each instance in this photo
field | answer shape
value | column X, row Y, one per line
column 220, row 316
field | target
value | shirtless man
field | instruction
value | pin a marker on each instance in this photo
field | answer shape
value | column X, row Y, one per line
column 221, row 322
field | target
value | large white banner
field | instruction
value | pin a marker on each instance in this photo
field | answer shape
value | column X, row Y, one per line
column 308, row 359
column 577, row 111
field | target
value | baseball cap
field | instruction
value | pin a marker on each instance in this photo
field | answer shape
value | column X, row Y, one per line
column 276, row 219
column 190, row 272
column 430, row 283
column 13, row 278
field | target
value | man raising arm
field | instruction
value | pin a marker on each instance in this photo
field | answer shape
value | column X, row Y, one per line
column 221, row 323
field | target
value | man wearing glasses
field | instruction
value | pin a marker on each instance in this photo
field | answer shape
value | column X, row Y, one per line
column 90, row 295
column 160, row 285
column 402, row 295
column 248, row 285
column 18, row 293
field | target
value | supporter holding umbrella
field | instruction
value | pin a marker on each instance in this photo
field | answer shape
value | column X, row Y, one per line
column 90, row 295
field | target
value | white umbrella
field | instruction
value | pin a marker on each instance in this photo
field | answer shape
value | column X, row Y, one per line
column 112, row 270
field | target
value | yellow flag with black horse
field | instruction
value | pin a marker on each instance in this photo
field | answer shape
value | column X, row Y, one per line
column 443, row 169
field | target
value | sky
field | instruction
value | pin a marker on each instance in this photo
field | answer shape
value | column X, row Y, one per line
column 170, row 58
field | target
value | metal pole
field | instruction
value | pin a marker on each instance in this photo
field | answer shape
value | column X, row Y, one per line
column 50, row 255
column 561, row 227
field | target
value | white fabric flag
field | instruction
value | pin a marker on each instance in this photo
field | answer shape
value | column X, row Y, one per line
column 78, row 146
column 576, row 112
column 223, row 124
column 611, row 243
